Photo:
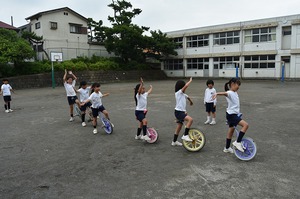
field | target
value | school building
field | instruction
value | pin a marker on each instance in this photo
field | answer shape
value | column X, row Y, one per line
column 265, row 48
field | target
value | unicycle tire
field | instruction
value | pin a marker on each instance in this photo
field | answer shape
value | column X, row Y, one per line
column 198, row 141
column 153, row 135
column 250, row 150
column 108, row 128
column 77, row 110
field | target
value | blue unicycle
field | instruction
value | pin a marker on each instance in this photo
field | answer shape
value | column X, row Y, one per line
column 106, row 124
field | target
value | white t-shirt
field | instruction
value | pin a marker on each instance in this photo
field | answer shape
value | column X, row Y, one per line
column 84, row 93
column 70, row 88
column 233, row 102
column 5, row 88
column 141, row 101
column 180, row 100
column 208, row 96
column 96, row 99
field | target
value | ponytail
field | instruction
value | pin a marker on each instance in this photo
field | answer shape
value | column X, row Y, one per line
column 232, row 80
column 136, row 90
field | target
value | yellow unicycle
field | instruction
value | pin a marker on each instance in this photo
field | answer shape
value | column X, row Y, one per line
column 198, row 140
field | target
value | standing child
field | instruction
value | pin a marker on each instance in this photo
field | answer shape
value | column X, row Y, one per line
column 69, row 83
column 210, row 104
column 6, row 91
column 95, row 99
column 180, row 112
column 232, row 114
column 140, row 97
column 84, row 93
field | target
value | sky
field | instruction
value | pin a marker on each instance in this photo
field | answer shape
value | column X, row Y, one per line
column 164, row 15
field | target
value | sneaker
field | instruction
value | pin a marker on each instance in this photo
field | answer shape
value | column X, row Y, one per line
column 6, row 111
column 112, row 125
column 71, row 119
column 186, row 138
column 138, row 137
column 207, row 122
column 83, row 124
column 229, row 150
column 95, row 131
column 213, row 123
column 146, row 138
column 10, row 110
column 238, row 145
column 176, row 143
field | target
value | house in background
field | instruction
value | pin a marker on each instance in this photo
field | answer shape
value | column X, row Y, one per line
column 7, row 26
column 65, row 31
column 264, row 48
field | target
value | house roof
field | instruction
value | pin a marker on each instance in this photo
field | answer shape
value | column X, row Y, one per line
column 56, row 10
column 7, row 26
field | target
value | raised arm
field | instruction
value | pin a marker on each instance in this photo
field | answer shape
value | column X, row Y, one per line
column 65, row 76
column 187, row 85
column 150, row 90
column 219, row 93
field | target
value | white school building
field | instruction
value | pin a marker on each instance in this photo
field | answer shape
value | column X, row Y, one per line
column 265, row 48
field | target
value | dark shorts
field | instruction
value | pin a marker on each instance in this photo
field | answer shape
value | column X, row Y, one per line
column 140, row 115
column 210, row 107
column 233, row 119
column 97, row 110
column 72, row 99
column 83, row 108
column 7, row 98
column 180, row 115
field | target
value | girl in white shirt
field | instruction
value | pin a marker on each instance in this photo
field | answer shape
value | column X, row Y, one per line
column 232, row 114
column 140, row 96
column 84, row 93
column 96, row 99
column 180, row 112
column 6, row 91
column 210, row 105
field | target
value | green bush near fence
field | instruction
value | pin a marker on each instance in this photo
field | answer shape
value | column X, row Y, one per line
column 78, row 64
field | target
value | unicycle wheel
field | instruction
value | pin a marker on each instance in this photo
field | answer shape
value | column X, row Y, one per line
column 250, row 150
column 153, row 135
column 108, row 128
column 198, row 141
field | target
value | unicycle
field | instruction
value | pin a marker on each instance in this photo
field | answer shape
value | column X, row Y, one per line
column 198, row 142
column 106, row 124
column 152, row 134
column 249, row 147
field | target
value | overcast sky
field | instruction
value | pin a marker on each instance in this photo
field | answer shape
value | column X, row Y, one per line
column 164, row 15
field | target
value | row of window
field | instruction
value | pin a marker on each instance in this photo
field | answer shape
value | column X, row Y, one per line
column 232, row 37
column 74, row 28
column 254, row 61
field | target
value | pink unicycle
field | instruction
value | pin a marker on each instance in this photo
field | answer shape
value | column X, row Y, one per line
column 152, row 134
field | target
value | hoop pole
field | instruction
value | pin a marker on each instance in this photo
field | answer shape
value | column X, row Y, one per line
column 53, row 80
column 282, row 72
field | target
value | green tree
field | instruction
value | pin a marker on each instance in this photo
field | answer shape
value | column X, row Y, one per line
column 13, row 48
column 124, row 38
column 96, row 31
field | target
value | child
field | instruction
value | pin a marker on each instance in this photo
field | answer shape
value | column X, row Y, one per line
column 232, row 112
column 209, row 103
column 140, row 97
column 69, row 83
column 180, row 112
column 95, row 99
column 6, row 91
column 84, row 93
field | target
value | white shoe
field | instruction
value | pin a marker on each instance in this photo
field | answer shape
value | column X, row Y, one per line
column 10, row 110
column 83, row 124
column 146, row 138
column 95, row 131
column 213, row 122
column 186, row 138
column 71, row 119
column 238, row 145
column 176, row 143
column 138, row 137
column 112, row 125
column 6, row 111
column 229, row 150
column 207, row 122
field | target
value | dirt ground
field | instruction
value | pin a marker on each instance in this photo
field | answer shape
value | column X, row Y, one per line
column 43, row 155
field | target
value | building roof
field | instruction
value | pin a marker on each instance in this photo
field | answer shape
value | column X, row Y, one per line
column 7, row 26
column 56, row 10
